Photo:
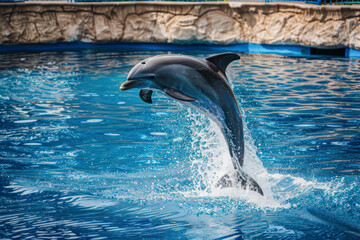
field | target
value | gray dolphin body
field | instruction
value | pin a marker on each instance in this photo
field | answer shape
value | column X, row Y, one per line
column 202, row 85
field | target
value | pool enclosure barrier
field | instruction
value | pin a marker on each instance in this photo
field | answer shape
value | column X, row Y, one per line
column 318, row 2
column 252, row 48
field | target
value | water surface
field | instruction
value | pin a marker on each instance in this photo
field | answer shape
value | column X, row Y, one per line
column 81, row 160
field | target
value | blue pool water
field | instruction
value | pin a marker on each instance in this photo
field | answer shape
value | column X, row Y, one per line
column 81, row 160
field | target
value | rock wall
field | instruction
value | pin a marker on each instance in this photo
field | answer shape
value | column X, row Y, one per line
column 172, row 22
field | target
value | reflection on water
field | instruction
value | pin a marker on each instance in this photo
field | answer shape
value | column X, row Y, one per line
column 80, row 159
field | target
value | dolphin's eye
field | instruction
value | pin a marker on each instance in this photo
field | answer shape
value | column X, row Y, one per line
column 142, row 62
column 152, row 77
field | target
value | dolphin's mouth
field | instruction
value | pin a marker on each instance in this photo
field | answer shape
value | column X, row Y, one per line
column 129, row 84
column 136, row 81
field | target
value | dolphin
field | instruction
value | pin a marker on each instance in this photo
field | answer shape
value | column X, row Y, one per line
column 202, row 85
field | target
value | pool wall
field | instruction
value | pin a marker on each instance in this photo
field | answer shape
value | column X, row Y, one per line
column 257, row 27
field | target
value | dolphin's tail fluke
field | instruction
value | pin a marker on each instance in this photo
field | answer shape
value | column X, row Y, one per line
column 239, row 178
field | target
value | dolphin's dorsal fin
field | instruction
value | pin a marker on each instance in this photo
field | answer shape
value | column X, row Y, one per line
column 145, row 95
column 223, row 60
column 178, row 95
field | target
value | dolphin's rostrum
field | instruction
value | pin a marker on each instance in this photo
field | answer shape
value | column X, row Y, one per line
column 202, row 85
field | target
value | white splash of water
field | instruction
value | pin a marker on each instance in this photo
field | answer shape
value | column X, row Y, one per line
column 211, row 160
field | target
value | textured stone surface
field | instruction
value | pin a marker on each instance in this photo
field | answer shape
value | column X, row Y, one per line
column 218, row 23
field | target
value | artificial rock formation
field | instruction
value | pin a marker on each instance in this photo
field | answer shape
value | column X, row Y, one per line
column 160, row 22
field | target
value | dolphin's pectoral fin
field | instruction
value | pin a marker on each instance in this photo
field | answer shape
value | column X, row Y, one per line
column 145, row 95
column 223, row 60
column 178, row 95
column 242, row 179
